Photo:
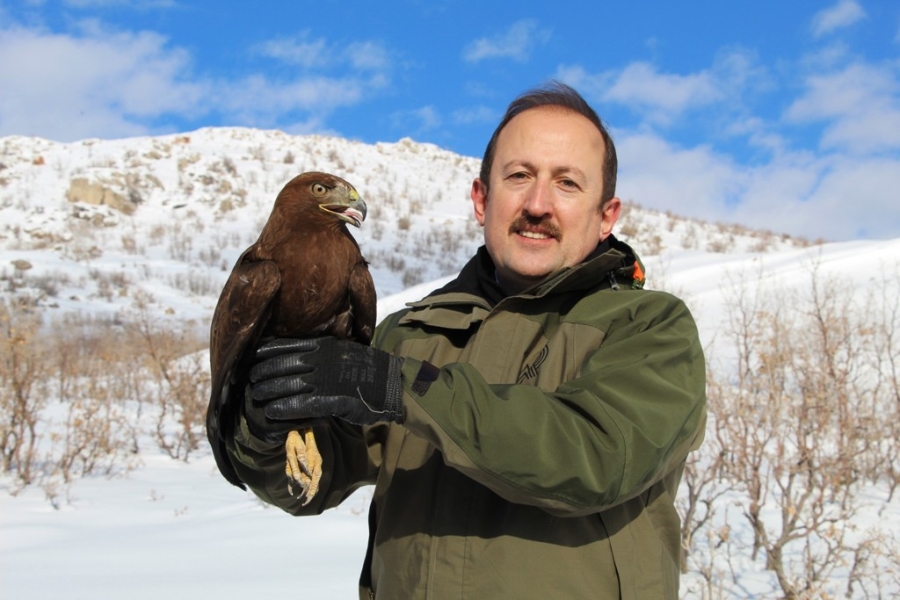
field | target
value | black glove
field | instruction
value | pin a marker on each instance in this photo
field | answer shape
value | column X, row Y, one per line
column 264, row 428
column 296, row 380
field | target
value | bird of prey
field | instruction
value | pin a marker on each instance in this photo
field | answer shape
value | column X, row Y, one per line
column 304, row 276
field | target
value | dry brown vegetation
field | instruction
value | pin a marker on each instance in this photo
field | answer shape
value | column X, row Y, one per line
column 801, row 448
column 78, row 397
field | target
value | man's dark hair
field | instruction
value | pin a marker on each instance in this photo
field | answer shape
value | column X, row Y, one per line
column 555, row 93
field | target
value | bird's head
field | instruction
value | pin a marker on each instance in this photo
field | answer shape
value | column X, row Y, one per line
column 333, row 195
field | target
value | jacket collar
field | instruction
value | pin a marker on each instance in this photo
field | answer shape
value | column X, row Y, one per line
column 472, row 295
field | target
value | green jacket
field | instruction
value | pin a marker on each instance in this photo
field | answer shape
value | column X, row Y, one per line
column 544, row 458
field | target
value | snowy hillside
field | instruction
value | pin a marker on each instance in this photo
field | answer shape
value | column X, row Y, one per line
column 85, row 225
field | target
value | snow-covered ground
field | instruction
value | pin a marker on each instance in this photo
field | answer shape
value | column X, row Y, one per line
column 174, row 530
column 177, row 530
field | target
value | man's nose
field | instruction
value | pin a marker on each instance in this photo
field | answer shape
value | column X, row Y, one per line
column 538, row 202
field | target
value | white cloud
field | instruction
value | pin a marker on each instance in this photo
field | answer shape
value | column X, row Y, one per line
column 296, row 51
column 320, row 54
column 313, row 125
column 855, row 199
column 97, row 83
column 695, row 182
column 843, row 189
column 261, row 100
column 640, row 83
column 368, row 56
column 516, row 43
column 842, row 14
column 859, row 103
column 836, row 197
column 662, row 97
column 476, row 114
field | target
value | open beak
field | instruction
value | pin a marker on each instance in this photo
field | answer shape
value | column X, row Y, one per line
column 351, row 210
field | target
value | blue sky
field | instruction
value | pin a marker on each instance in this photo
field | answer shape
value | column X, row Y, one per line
column 773, row 114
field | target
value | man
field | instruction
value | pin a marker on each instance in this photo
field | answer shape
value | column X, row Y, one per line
column 526, row 426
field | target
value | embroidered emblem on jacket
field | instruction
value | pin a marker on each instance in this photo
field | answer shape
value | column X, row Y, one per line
column 531, row 371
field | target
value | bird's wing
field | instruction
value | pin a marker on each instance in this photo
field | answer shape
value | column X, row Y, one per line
column 363, row 303
column 238, row 320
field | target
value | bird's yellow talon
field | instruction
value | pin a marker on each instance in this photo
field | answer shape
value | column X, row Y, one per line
column 304, row 464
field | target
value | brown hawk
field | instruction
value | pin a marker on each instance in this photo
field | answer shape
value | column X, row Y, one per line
column 304, row 276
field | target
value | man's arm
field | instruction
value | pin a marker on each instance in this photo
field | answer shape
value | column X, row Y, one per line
column 631, row 416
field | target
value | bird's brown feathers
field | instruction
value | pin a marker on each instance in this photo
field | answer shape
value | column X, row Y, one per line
column 304, row 276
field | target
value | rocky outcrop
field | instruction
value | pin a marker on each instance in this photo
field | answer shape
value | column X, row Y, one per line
column 82, row 190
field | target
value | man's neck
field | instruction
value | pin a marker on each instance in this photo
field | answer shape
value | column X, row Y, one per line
column 508, row 288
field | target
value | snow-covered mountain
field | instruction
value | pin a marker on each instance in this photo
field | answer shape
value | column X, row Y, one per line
column 86, row 225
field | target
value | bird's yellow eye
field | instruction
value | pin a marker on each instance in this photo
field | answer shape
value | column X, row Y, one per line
column 319, row 190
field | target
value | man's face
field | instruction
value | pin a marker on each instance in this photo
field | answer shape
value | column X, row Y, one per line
column 541, row 209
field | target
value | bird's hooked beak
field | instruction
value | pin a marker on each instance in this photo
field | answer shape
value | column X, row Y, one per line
column 350, row 208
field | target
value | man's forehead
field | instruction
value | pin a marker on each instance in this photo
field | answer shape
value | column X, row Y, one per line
column 571, row 136
column 549, row 119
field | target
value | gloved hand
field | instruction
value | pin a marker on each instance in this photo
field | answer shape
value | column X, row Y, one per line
column 297, row 380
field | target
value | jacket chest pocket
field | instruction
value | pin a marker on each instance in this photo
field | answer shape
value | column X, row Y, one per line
column 559, row 356
column 509, row 348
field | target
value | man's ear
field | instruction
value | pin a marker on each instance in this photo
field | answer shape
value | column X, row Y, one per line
column 608, row 217
column 479, row 200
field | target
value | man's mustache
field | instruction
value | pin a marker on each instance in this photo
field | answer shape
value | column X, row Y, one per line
column 536, row 225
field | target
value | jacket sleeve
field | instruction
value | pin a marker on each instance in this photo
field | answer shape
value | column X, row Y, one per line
column 629, row 418
column 350, row 459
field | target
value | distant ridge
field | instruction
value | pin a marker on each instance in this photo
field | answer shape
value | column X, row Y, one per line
column 87, row 224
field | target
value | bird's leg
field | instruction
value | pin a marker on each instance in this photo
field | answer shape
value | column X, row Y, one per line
column 296, row 467
column 314, row 464
column 304, row 463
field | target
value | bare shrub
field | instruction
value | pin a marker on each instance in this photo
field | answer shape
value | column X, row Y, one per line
column 81, row 252
column 628, row 230
column 702, row 488
column 110, row 285
column 210, row 256
column 395, row 262
column 413, row 276
column 798, row 433
column 179, row 381
column 689, row 239
column 228, row 166
column 158, row 233
column 82, row 366
column 197, row 284
column 721, row 244
column 22, row 374
column 48, row 285
column 181, row 245
column 73, row 395
column 653, row 245
column 130, row 245
column 94, row 439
